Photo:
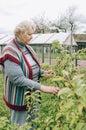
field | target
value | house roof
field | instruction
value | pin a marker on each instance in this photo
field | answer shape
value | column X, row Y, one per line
column 5, row 38
column 48, row 38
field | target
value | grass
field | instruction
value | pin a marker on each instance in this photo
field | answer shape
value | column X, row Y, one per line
column 3, row 109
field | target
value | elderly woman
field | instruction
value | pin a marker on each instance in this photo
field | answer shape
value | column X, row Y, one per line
column 21, row 71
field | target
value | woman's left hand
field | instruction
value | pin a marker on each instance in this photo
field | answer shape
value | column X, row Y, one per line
column 49, row 73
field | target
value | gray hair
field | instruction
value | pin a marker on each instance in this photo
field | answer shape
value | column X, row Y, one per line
column 24, row 26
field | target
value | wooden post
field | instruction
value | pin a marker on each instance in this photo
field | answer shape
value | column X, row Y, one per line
column 50, row 54
column 42, row 53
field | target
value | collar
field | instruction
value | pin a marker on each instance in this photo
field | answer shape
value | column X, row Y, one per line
column 20, row 44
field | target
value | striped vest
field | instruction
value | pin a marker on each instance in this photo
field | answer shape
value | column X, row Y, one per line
column 14, row 96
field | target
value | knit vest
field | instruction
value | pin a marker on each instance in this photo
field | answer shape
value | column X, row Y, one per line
column 14, row 96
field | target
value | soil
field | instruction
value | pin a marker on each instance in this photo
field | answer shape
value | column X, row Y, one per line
column 81, row 63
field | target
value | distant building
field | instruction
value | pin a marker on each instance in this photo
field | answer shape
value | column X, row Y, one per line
column 80, row 39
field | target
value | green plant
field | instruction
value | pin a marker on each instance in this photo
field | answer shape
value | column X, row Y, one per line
column 67, row 110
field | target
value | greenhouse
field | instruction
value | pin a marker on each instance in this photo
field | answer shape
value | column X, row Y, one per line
column 42, row 43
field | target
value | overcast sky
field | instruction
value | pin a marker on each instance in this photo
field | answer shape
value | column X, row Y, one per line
column 14, row 11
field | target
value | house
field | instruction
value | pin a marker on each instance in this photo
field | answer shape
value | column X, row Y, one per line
column 80, row 39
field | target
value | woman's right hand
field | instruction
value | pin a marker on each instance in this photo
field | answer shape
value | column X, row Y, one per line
column 49, row 89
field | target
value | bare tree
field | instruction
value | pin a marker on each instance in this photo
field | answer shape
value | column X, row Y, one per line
column 72, row 18
column 41, row 24
column 67, row 21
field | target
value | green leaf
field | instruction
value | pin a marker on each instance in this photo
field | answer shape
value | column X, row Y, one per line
column 81, row 90
column 80, row 108
column 84, row 128
column 64, row 90
column 80, row 126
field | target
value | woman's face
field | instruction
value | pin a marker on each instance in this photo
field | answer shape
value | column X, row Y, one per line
column 25, row 37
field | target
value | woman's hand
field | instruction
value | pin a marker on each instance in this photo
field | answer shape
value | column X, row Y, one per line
column 49, row 73
column 50, row 89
